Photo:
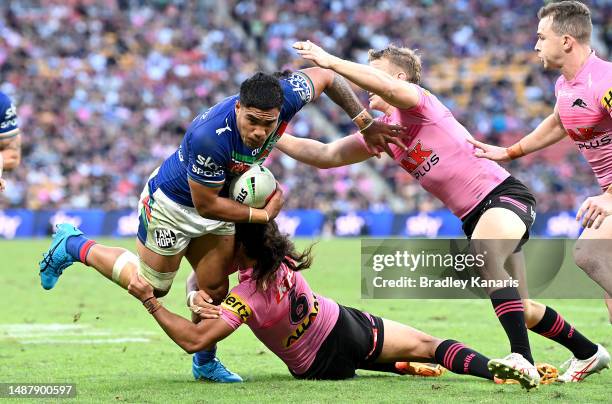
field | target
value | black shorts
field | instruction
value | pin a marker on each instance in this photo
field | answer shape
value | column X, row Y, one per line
column 356, row 340
column 510, row 194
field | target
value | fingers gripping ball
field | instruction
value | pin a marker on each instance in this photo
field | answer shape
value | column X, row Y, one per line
column 253, row 188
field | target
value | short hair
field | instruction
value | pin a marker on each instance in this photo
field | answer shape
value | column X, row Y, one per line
column 569, row 18
column 405, row 58
column 262, row 91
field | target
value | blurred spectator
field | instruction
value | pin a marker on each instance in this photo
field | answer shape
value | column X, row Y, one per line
column 105, row 89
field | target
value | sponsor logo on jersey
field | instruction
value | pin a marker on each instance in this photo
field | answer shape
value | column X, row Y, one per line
column 206, row 167
column 584, row 134
column 304, row 325
column 419, row 161
column 235, row 304
column 606, row 100
column 224, row 129
column 301, row 85
column 595, row 144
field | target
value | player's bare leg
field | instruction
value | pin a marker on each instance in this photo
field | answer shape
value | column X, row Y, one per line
column 593, row 254
column 547, row 322
column 496, row 236
column 404, row 344
column 211, row 257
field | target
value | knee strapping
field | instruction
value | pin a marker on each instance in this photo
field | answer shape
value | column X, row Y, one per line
column 161, row 281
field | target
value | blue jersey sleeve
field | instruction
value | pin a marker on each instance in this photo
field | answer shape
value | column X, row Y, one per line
column 8, row 118
column 208, row 156
column 298, row 91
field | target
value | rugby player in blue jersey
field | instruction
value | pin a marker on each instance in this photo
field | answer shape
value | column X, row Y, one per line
column 184, row 209
column 10, row 137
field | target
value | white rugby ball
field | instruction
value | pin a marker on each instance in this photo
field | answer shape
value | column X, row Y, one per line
column 254, row 187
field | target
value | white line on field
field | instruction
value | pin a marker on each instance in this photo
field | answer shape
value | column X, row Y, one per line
column 49, row 333
column 85, row 341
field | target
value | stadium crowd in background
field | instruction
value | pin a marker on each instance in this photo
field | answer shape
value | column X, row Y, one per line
column 106, row 89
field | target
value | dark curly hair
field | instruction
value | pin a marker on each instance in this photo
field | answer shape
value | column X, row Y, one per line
column 262, row 91
column 269, row 247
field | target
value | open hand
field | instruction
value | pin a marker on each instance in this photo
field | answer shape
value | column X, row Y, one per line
column 314, row 53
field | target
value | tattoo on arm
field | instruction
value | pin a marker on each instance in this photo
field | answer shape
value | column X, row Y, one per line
column 343, row 95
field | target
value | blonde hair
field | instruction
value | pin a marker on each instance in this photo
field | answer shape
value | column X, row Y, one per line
column 404, row 58
column 569, row 18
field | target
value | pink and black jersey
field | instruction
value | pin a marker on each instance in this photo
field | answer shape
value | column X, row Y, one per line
column 585, row 107
column 287, row 317
column 440, row 157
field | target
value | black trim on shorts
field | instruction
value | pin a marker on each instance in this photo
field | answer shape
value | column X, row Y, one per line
column 511, row 194
column 356, row 340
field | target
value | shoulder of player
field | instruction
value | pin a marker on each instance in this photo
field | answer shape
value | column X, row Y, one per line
column 237, row 302
column 214, row 122
column 298, row 81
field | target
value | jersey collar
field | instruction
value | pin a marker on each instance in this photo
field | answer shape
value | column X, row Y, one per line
column 589, row 61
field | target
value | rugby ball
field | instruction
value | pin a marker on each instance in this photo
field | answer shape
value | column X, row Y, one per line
column 254, row 187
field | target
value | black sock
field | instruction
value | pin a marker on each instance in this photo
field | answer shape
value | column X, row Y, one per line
column 511, row 314
column 458, row 358
column 554, row 327
column 381, row 367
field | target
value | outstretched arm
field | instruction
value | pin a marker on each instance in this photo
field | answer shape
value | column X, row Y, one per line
column 189, row 336
column 548, row 132
column 341, row 152
column 377, row 135
column 397, row 92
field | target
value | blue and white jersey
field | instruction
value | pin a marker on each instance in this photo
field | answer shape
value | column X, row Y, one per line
column 212, row 151
column 8, row 118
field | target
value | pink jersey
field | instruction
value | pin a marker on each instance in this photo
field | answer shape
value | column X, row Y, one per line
column 440, row 157
column 585, row 108
column 287, row 317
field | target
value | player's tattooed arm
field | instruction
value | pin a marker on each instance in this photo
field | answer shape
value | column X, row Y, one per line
column 377, row 135
column 11, row 152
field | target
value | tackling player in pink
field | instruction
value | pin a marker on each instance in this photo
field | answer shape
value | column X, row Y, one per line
column 583, row 112
column 316, row 337
column 295, row 338
column 492, row 205
column 434, row 137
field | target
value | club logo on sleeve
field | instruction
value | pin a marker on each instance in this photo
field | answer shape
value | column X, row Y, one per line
column 164, row 238
column 235, row 304
column 301, row 86
column 606, row 100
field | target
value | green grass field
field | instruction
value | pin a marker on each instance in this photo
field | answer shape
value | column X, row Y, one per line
column 90, row 332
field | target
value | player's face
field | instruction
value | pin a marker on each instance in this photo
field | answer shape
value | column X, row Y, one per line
column 255, row 125
column 549, row 45
column 376, row 101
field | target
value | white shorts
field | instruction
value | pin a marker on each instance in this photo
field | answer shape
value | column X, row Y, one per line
column 167, row 227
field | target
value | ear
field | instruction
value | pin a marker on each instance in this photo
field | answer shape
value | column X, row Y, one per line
column 237, row 106
column 568, row 42
column 402, row 76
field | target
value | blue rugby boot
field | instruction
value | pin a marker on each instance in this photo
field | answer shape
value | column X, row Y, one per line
column 214, row 371
column 57, row 258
